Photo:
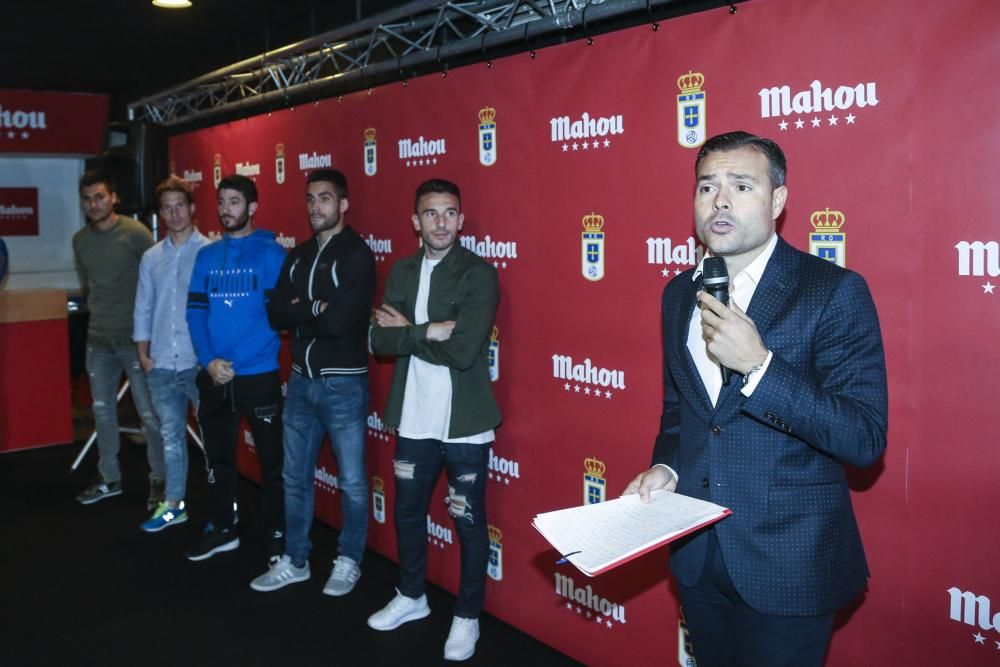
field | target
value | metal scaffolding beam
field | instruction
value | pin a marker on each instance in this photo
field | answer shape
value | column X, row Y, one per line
column 414, row 38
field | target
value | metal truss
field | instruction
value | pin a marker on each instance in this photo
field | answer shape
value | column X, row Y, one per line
column 414, row 38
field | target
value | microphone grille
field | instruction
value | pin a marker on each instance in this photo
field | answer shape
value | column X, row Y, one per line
column 714, row 268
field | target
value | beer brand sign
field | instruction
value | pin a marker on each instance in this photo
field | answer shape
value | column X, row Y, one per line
column 18, row 211
column 52, row 123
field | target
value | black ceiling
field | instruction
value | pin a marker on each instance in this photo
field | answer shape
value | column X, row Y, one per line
column 129, row 49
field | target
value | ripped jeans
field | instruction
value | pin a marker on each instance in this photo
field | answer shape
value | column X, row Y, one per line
column 104, row 366
column 418, row 465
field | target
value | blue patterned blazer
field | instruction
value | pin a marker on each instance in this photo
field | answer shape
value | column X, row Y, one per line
column 792, row 545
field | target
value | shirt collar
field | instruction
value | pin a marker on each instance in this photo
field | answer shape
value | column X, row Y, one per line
column 754, row 270
column 192, row 238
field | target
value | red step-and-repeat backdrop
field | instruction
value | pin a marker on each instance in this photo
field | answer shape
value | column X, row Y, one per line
column 887, row 114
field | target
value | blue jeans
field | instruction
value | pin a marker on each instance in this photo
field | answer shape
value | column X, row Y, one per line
column 104, row 368
column 171, row 391
column 417, row 466
column 336, row 405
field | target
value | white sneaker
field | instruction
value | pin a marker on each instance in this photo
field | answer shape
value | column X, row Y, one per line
column 462, row 638
column 400, row 609
column 345, row 574
column 282, row 573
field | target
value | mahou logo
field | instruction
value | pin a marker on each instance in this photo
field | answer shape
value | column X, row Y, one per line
column 314, row 160
column 437, row 535
column 17, row 122
column 192, row 176
column 590, row 134
column 503, row 471
column 498, row 252
column 587, row 378
column 588, row 604
column 376, row 428
column 811, row 105
column 974, row 610
column 248, row 169
column 381, row 248
column 325, row 480
column 421, row 152
column 979, row 259
column 674, row 257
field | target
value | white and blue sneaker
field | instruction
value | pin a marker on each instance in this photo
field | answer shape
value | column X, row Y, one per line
column 164, row 516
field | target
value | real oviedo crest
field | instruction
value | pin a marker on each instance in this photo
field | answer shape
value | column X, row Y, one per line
column 826, row 241
column 691, row 110
column 494, row 355
column 378, row 499
column 371, row 157
column 487, row 137
column 592, row 250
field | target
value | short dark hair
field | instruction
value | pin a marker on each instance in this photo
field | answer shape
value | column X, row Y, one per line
column 332, row 176
column 175, row 184
column 439, row 186
column 241, row 184
column 730, row 141
column 95, row 177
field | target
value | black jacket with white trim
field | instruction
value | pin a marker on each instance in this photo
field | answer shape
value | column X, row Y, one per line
column 342, row 275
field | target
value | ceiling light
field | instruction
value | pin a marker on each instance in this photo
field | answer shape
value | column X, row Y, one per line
column 172, row 4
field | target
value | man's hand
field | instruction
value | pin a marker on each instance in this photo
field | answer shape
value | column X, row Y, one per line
column 146, row 363
column 440, row 331
column 387, row 316
column 657, row 477
column 221, row 371
column 731, row 336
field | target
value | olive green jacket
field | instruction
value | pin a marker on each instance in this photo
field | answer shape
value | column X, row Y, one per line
column 465, row 289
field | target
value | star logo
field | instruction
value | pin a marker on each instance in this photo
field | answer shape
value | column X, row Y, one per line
column 799, row 123
column 988, row 287
column 815, row 122
column 979, row 638
column 783, row 125
column 833, row 120
column 850, row 118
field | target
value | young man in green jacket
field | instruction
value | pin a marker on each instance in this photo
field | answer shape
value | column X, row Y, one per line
column 436, row 318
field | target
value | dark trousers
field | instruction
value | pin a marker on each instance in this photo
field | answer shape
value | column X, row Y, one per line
column 724, row 630
column 258, row 399
column 418, row 465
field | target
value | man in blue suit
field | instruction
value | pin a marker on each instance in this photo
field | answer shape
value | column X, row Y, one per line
column 807, row 396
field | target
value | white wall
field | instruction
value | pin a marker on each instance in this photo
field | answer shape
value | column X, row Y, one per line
column 45, row 260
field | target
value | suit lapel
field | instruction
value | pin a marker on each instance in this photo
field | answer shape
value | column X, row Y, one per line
column 775, row 288
column 686, row 374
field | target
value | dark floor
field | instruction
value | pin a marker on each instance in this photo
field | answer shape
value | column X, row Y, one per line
column 84, row 586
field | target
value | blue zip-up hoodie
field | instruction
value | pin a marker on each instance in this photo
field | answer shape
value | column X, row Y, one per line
column 230, row 286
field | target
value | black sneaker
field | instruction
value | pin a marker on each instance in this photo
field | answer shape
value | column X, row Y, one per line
column 213, row 541
column 157, row 491
column 99, row 490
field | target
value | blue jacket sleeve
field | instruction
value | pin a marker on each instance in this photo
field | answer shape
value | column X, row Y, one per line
column 197, row 311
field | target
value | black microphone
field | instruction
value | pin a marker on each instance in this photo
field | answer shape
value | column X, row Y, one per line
column 715, row 281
